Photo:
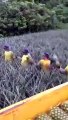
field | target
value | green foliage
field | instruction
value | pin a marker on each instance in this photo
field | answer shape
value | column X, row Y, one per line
column 54, row 3
column 21, row 17
column 65, row 2
column 62, row 13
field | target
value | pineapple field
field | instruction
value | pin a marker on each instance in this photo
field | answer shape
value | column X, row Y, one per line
column 17, row 83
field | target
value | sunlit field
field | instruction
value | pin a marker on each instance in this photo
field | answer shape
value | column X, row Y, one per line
column 17, row 83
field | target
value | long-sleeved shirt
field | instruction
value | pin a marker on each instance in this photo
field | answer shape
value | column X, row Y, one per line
column 45, row 64
column 8, row 55
column 26, row 59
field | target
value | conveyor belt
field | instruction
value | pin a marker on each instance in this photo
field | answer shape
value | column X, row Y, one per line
column 50, row 102
column 57, row 113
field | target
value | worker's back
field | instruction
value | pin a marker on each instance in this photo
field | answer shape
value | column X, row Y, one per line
column 45, row 64
column 26, row 59
column 8, row 55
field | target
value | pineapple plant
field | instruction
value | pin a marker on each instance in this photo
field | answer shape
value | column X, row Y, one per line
column 58, row 114
column 43, row 117
column 64, row 106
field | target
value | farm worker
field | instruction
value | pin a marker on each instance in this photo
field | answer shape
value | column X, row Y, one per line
column 45, row 62
column 8, row 54
column 26, row 58
column 64, row 70
column 55, row 61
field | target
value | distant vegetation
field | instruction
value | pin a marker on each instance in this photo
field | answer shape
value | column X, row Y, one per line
column 21, row 16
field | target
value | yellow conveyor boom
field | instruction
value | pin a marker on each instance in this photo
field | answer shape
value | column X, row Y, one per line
column 31, row 107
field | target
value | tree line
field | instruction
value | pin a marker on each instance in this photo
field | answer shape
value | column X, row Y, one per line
column 19, row 16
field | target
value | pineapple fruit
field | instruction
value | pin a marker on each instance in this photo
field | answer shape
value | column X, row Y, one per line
column 43, row 117
column 58, row 114
column 64, row 106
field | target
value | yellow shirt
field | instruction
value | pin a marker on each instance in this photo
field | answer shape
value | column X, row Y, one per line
column 26, row 59
column 45, row 64
column 66, row 68
column 8, row 55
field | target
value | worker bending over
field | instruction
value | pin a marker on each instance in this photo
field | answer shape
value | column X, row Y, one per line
column 26, row 58
column 45, row 62
column 48, row 63
column 55, row 61
column 8, row 54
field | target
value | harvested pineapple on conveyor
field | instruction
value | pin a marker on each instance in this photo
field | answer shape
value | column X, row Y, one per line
column 43, row 117
column 56, row 113
column 51, row 104
column 64, row 106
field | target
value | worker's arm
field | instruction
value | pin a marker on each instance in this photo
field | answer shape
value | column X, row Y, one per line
column 55, row 63
column 30, row 59
column 52, row 61
column 58, row 65
column 62, row 70
column 13, row 56
column 19, row 57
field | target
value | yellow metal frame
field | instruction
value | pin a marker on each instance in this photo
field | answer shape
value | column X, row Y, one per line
column 31, row 107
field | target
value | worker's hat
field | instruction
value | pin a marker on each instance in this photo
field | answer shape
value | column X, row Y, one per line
column 25, row 51
column 46, row 55
column 6, row 47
